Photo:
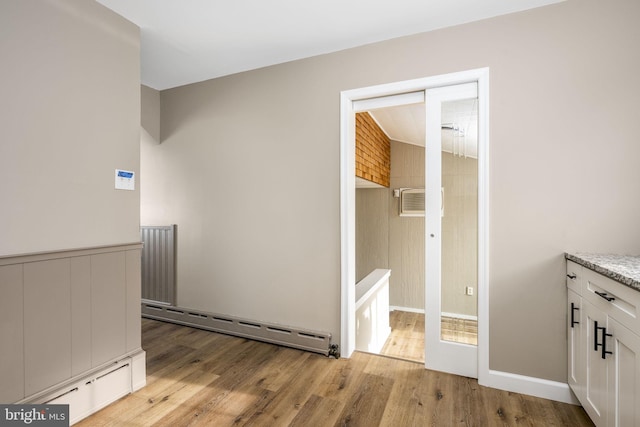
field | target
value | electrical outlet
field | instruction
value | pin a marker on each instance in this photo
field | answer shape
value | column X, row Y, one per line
column 469, row 290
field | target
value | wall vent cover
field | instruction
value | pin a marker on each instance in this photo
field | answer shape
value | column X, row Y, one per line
column 412, row 202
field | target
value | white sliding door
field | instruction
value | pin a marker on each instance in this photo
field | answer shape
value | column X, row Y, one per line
column 452, row 229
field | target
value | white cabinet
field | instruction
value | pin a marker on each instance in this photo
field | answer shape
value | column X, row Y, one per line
column 575, row 352
column 604, row 347
column 624, row 376
column 595, row 378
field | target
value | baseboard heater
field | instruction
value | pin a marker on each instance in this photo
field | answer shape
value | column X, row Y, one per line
column 93, row 392
column 317, row 342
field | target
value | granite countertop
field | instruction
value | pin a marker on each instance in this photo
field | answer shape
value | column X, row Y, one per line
column 621, row 268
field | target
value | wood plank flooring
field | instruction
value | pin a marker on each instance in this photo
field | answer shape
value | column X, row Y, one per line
column 406, row 340
column 200, row 378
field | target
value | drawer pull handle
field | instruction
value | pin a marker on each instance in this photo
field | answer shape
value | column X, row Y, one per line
column 605, row 296
column 572, row 276
column 604, row 343
column 573, row 309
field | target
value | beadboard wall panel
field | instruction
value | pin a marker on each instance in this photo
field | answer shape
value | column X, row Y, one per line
column 11, row 331
column 108, row 306
column 80, row 312
column 47, row 323
column 66, row 314
column 133, row 262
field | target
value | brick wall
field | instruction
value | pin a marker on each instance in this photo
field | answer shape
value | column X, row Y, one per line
column 373, row 151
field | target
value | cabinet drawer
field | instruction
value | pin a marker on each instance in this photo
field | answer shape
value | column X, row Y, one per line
column 620, row 302
column 574, row 277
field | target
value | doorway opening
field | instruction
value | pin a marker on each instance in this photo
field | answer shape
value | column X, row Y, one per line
column 384, row 100
column 390, row 224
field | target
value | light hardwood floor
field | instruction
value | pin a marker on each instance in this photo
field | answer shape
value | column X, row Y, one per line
column 406, row 340
column 200, row 378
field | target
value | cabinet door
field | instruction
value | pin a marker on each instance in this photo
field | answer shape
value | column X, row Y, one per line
column 576, row 349
column 623, row 376
column 595, row 393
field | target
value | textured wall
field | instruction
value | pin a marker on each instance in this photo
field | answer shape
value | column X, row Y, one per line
column 459, row 234
column 372, row 230
column 406, row 234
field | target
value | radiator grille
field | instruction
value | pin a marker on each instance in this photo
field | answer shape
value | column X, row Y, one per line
column 159, row 264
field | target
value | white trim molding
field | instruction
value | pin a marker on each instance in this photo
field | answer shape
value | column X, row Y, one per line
column 532, row 386
column 407, row 309
column 459, row 316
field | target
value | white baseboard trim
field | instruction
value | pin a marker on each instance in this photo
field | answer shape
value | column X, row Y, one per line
column 409, row 309
column 138, row 371
column 459, row 316
column 538, row 387
column 420, row 310
column 532, row 386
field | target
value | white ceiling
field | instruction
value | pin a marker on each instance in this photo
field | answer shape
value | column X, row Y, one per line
column 404, row 123
column 407, row 123
column 186, row 41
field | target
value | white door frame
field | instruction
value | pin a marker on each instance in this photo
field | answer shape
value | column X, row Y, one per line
column 347, row 199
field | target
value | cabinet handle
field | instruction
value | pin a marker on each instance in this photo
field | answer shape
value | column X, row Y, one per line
column 596, row 328
column 605, row 296
column 572, row 276
column 604, row 343
column 573, row 309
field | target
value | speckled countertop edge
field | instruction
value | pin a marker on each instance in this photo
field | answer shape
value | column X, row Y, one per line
column 621, row 268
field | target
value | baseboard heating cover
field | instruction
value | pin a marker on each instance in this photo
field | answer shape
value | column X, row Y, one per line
column 91, row 393
column 317, row 342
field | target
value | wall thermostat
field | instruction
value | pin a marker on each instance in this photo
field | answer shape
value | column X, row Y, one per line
column 125, row 180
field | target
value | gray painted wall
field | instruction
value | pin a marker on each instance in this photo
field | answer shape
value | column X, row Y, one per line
column 459, row 234
column 150, row 114
column 70, row 115
column 406, row 234
column 248, row 168
column 372, row 230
